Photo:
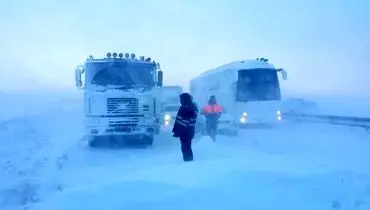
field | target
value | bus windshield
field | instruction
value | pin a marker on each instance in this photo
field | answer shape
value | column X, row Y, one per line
column 258, row 85
column 123, row 74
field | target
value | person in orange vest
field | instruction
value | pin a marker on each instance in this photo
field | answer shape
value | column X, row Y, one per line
column 212, row 112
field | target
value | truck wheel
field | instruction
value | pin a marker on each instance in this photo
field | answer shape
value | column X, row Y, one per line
column 149, row 140
column 93, row 141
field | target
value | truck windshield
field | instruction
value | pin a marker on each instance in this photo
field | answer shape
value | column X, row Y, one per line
column 122, row 74
column 258, row 85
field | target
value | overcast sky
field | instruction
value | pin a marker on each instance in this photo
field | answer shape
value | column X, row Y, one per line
column 324, row 45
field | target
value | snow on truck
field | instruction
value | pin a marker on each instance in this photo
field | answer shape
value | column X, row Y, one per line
column 249, row 90
column 120, row 98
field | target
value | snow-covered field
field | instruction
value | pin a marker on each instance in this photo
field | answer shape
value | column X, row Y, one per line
column 46, row 164
column 354, row 106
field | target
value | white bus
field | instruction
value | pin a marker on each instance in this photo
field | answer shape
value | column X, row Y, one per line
column 249, row 90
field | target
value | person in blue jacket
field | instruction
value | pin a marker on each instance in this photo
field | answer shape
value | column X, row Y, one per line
column 184, row 127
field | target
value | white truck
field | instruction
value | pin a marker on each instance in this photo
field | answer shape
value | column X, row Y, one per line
column 120, row 99
column 249, row 91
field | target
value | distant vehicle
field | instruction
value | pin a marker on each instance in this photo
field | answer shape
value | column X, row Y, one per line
column 170, row 103
column 170, row 94
column 249, row 90
column 169, row 114
column 120, row 98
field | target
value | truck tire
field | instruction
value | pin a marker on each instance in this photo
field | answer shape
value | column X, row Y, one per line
column 99, row 141
column 149, row 140
column 93, row 141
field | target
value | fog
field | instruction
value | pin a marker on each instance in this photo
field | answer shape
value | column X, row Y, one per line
column 323, row 46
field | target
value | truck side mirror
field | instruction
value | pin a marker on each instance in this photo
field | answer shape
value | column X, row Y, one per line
column 78, row 75
column 283, row 73
column 160, row 78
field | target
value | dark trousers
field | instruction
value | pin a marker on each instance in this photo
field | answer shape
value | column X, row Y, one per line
column 187, row 152
column 211, row 128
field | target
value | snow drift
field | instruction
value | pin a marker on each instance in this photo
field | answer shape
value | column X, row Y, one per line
column 231, row 183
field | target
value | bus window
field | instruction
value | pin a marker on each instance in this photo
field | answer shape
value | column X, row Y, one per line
column 258, row 85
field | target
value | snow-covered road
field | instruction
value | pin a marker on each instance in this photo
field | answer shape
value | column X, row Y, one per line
column 45, row 161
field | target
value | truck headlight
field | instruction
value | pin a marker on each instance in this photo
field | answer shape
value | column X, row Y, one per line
column 167, row 117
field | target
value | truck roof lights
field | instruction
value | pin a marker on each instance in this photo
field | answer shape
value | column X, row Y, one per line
column 133, row 55
column 262, row 59
column 128, row 56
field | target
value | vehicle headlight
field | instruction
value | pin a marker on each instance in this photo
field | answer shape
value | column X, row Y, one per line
column 243, row 120
column 278, row 112
column 167, row 117
column 278, row 115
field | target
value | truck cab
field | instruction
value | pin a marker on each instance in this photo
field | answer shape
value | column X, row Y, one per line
column 120, row 98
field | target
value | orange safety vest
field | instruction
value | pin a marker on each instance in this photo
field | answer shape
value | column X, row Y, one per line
column 212, row 109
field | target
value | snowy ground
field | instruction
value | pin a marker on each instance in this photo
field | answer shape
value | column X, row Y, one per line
column 47, row 163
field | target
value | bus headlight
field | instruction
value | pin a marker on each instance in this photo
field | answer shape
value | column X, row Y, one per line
column 167, row 117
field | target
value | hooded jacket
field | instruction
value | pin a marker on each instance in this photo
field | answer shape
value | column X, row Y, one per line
column 186, row 118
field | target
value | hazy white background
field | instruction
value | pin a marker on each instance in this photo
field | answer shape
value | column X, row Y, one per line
column 324, row 45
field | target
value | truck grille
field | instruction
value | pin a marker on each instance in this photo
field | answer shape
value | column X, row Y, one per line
column 128, row 122
column 122, row 105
